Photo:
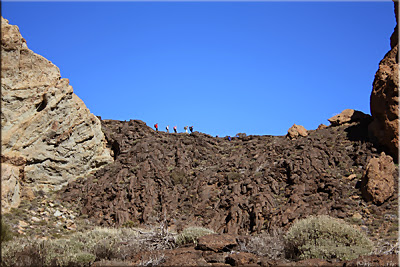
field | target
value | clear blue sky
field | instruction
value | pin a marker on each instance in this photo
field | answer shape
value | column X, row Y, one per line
column 223, row 67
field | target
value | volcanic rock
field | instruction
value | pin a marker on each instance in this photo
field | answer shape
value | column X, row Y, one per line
column 216, row 242
column 346, row 116
column 384, row 100
column 43, row 120
column 379, row 179
column 296, row 130
column 236, row 187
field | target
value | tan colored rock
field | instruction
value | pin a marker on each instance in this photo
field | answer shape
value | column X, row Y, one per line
column 321, row 126
column 384, row 100
column 43, row 120
column 347, row 116
column 296, row 131
column 12, row 174
column 379, row 179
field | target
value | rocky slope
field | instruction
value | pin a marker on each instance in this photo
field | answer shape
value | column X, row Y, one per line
column 248, row 185
column 385, row 98
column 45, row 127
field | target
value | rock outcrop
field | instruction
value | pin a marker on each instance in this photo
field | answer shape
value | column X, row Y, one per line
column 296, row 131
column 378, row 182
column 42, row 120
column 347, row 116
column 384, row 99
column 241, row 186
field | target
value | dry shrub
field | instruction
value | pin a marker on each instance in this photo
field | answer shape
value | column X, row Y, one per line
column 82, row 249
column 191, row 234
column 271, row 245
column 6, row 233
column 325, row 237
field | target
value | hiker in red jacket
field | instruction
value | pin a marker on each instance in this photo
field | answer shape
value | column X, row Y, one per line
column 156, row 126
column 175, row 129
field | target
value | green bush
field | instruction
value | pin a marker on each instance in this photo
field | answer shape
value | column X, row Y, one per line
column 191, row 234
column 6, row 234
column 325, row 237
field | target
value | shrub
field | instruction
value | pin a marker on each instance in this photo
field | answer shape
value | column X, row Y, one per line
column 325, row 237
column 191, row 234
column 80, row 249
column 179, row 177
column 265, row 245
column 6, row 234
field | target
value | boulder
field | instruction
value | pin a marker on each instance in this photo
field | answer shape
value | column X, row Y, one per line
column 384, row 100
column 296, row 131
column 321, row 126
column 347, row 116
column 43, row 120
column 378, row 182
column 217, row 242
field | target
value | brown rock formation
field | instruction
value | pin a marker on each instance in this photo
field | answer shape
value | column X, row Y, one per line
column 384, row 99
column 378, row 182
column 42, row 119
column 217, row 242
column 346, row 116
column 296, row 131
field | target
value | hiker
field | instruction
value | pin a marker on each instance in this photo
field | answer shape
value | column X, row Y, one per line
column 175, row 129
column 156, row 126
column 191, row 129
column 185, row 129
column 229, row 138
column 167, row 128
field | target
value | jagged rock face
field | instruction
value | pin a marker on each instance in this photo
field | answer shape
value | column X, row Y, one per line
column 378, row 182
column 42, row 120
column 385, row 99
column 240, row 186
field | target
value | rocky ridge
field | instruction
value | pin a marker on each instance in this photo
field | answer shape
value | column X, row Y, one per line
column 43, row 123
column 245, row 186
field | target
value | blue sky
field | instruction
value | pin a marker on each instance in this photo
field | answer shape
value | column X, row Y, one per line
column 223, row 67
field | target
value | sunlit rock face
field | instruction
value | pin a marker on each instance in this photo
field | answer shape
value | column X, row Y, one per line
column 385, row 98
column 42, row 120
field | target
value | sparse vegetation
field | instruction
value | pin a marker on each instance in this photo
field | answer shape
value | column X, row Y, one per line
column 81, row 249
column 325, row 237
column 6, row 234
column 265, row 245
column 191, row 234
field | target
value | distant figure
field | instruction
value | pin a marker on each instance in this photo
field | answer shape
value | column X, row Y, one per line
column 191, row 129
column 229, row 138
column 175, row 129
column 217, row 136
column 156, row 126
column 185, row 129
column 167, row 128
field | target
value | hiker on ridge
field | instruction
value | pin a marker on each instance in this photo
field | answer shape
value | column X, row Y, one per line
column 175, row 129
column 156, row 126
column 185, row 129
column 191, row 129
column 167, row 128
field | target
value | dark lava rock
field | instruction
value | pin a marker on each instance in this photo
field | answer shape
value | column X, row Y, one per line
column 247, row 185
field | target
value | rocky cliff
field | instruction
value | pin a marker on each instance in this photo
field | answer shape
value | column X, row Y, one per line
column 43, row 123
column 385, row 98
